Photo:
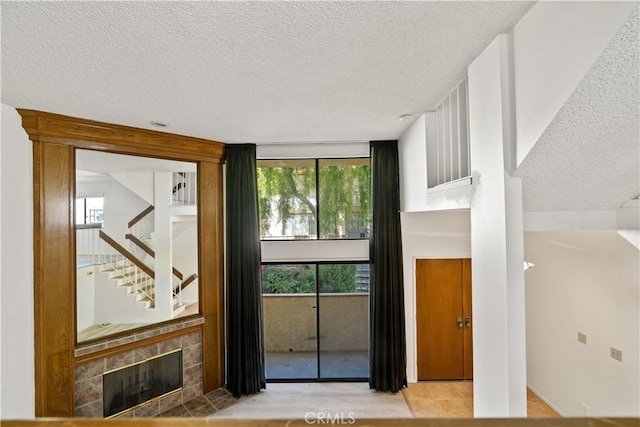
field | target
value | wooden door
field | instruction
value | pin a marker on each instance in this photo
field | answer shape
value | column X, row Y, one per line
column 443, row 292
column 467, row 333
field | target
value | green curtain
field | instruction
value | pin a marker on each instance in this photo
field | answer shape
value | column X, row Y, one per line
column 388, row 357
column 245, row 342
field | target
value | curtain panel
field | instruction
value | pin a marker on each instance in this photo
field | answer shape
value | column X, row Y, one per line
column 388, row 357
column 245, row 342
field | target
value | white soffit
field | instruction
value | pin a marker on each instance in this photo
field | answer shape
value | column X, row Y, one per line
column 99, row 162
column 245, row 71
column 589, row 157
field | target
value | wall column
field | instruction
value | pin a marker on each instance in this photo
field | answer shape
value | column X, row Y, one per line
column 162, row 245
column 499, row 344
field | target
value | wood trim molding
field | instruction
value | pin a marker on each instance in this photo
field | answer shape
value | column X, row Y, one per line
column 211, row 261
column 55, row 138
column 141, row 215
column 137, row 344
column 125, row 253
column 54, row 278
column 92, row 135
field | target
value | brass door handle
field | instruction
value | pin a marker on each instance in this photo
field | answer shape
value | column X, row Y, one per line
column 467, row 322
column 459, row 322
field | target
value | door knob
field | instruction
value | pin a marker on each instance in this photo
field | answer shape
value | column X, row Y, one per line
column 467, row 322
column 459, row 322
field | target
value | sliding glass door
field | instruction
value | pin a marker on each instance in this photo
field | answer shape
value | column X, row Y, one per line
column 290, row 315
column 316, row 321
column 343, row 301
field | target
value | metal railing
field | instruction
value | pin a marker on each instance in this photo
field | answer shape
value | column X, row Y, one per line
column 452, row 159
column 184, row 188
column 90, row 249
column 132, row 271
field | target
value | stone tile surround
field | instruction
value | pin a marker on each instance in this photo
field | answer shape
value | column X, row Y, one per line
column 83, row 350
column 88, row 375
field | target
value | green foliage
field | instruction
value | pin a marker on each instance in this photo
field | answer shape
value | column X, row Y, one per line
column 337, row 278
column 287, row 189
column 299, row 279
column 345, row 197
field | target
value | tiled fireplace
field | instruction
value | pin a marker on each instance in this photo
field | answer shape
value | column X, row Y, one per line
column 124, row 389
column 145, row 346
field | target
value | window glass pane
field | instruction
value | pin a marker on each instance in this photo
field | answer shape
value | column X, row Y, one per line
column 290, row 331
column 345, row 196
column 94, row 209
column 288, row 279
column 80, row 211
column 343, row 278
column 287, row 199
column 343, row 304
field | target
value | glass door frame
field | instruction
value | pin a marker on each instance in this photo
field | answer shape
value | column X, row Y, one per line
column 318, row 377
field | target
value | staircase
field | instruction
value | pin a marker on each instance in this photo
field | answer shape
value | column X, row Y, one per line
column 124, row 277
column 139, row 236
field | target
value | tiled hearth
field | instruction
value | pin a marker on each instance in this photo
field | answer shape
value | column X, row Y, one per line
column 88, row 374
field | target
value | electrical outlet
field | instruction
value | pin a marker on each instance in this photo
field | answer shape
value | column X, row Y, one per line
column 582, row 338
column 616, row 354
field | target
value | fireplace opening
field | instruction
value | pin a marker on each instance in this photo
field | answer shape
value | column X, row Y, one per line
column 136, row 384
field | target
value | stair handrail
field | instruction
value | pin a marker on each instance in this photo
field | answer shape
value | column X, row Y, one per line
column 141, row 215
column 184, row 284
column 142, row 245
column 128, row 255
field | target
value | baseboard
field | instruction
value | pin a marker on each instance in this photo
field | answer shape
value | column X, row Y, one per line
column 545, row 400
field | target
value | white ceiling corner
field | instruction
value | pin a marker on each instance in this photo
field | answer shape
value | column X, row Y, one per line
column 588, row 159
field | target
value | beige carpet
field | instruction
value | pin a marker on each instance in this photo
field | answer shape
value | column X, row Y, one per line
column 454, row 399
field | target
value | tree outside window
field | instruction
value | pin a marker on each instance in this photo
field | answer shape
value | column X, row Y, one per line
column 289, row 191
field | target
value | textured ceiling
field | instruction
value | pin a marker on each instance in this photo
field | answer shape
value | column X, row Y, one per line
column 245, row 71
column 589, row 156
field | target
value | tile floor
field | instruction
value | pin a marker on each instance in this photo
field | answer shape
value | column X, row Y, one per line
column 304, row 365
column 454, row 399
column 313, row 400
column 446, row 399
column 203, row 406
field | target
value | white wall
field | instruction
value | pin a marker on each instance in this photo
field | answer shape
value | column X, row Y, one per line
column 583, row 281
column 85, row 295
column 314, row 250
column 628, row 222
column 140, row 183
column 416, row 170
column 16, row 281
column 162, row 243
column 185, row 255
column 428, row 235
column 121, row 205
column 412, row 156
column 555, row 44
column 496, row 242
column 114, row 305
column 313, row 150
column 0, row 281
